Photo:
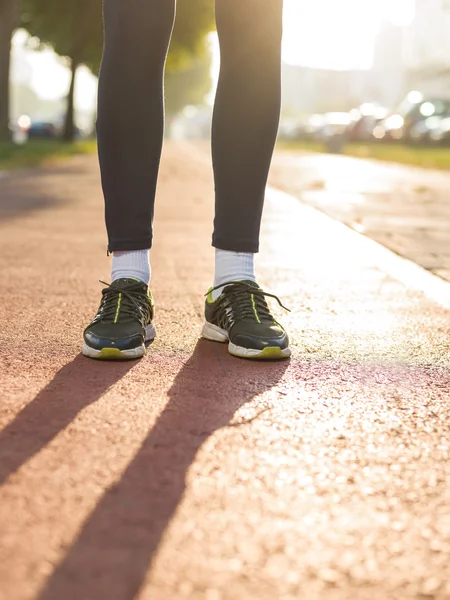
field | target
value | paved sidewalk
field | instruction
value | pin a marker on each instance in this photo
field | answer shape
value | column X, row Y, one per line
column 192, row 474
column 407, row 209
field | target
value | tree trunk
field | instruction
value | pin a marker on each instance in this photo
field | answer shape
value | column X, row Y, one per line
column 8, row 22
column 69, row 123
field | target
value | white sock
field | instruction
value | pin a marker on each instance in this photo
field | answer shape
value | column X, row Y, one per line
column 134, row 264
column 232, row 266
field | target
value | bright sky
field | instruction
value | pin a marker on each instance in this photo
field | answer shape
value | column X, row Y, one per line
column 338, row 34
column 334, row 34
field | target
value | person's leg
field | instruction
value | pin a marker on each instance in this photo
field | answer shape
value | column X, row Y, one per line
column 246, row 117
column 131, row 116
column 245, row 125
column 130, row 133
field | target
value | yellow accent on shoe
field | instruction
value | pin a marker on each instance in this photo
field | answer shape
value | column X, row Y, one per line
column 118, row 308
column 209, row 297
column 269, row 353
column 254, row 308
column 112, row 354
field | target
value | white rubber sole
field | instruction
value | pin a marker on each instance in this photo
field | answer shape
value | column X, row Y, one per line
column 216, row 334
column 112, row 353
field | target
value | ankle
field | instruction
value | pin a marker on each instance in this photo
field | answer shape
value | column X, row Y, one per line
column 131, row 264
column 232, row 266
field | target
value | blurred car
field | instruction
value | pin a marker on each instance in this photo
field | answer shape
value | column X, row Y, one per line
column 43, row 130
column 292, row 129
column 314, row 126
column 422, row 131
column 336, row 122
column 424, row 116
column 364, row 120
column 411, row 120
column 335, row 131
column 390, row 129
column 441, row 133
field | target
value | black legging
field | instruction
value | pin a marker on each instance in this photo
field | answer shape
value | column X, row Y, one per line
column 131, row 116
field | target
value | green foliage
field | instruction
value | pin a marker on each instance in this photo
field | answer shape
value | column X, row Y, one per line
column 40, row 152
column 188, row 85
column 195, row 18
column 426, row 157
column 74, row 28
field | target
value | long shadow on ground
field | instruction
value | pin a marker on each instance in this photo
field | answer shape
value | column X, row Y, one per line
column 23, row 192
column 54, row 408
column 114, row 550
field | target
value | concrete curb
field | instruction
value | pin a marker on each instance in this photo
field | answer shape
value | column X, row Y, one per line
column 407, row 272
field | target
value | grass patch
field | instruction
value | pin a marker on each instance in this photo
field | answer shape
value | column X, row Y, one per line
column 39, row 152
column 429, row 158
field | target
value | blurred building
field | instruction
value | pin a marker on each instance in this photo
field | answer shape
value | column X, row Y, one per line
column 386, row 81
column 426, row 48
column 307, row 90
column 416, row 56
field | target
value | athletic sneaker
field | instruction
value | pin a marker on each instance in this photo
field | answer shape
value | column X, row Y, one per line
column 241, row 317
column 123, row 324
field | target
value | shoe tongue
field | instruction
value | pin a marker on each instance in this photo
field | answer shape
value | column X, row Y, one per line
column 128, row 283
column 245, row 282
column 251, row 283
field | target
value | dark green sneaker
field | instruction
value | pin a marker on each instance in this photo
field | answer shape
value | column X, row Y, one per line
column 123, row 325
column 241, row 317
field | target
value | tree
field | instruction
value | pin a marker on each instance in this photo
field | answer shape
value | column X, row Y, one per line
column 76, row 33
column 8, row 22
column 188, row 85
column 195, row 18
